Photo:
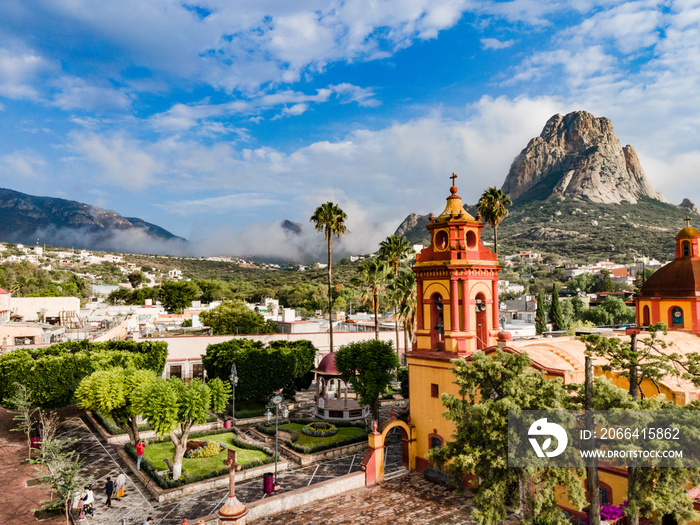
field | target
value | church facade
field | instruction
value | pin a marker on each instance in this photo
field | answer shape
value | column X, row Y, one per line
column 672, row 294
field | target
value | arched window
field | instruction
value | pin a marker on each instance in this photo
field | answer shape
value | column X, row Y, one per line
column 437, row 322
column 685, row 248
column 676, row 316
column 471, row 239
column 645, row 316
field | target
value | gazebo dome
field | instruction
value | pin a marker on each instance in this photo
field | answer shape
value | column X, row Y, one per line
column 327, row 366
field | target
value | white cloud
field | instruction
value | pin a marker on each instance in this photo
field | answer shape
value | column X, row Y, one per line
column 18, row 72
column 219, row 204
column 117, row 159
column 494, row 43
column 77, row 94
column 23, row 165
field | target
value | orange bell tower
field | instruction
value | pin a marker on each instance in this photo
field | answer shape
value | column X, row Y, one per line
column 457, row 283
column 457, row 294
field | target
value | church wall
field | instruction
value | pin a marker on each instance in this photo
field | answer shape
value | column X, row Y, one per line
column 426, row 410
column 660, row 311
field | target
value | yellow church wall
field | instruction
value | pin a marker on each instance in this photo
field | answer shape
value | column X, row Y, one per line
column 665, row 307
column 426, row 411
column 648, row 387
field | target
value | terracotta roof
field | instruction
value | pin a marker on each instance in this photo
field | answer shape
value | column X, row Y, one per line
column 679, row 278
column 3, row 291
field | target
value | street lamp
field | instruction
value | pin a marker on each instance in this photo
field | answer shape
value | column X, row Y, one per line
column 234, row 381
column 276, row 401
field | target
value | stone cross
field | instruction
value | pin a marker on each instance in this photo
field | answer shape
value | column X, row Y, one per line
column 233, row 466
column 454, row 176
column 687, row 221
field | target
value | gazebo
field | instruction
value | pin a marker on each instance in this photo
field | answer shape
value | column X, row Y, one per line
column 330, row 405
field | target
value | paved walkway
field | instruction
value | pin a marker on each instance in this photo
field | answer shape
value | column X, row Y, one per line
column 408, row 499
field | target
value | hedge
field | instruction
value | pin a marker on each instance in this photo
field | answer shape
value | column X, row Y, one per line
column 167, row 483
column 262, row 369
column 270, row 431
column 53, row 373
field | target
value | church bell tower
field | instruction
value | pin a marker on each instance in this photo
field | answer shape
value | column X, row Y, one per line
column 457, row 284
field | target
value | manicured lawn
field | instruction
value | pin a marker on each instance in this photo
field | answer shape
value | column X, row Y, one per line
column 157, row 452
column 311, row 441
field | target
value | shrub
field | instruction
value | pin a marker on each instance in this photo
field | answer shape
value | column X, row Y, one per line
column 321, row 429
column 206, row 450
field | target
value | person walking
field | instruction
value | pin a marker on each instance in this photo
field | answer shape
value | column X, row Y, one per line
column 119, row 485
column 149, row 521
column 139, row 453
column 109, row 490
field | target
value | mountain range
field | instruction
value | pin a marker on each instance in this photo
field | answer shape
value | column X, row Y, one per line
column 578, row 194
column 28, row 219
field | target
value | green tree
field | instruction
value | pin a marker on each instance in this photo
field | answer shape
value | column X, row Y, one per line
column 653, row 361
column 23, row 401
column 540, row 316
column 58, row 467
column 489, row 387
column 555, row 313
column 392, row 250
column 611, row 311
column 493, row 206
column 403, row 290
column 170, row 405
column 330, row 219
column 135, row 279
column 367, row 366
column 373, row 274
column 176, row 296
column 234, row 317
column 261, row 369
column 111, row 392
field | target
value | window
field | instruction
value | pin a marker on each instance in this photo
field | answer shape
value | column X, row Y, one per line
column 435, row 442
column 24, row 341
column 198, row 371
column 434, row 392
column 471, row 239
column 176, row 371
column 685, row 248
column 441, row 240
column 603, row 496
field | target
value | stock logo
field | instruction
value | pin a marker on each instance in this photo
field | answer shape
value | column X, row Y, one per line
column 542, row 427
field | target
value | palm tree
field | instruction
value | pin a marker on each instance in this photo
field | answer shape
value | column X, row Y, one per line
column 493, row 206
column 403, row 288
column 393, row 249
column 373, row 274
column 330, row 220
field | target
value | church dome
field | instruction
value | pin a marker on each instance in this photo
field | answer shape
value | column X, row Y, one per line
column 679, row 278
column 688, row 233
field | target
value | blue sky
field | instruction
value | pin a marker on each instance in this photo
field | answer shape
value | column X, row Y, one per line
column 216, row 120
